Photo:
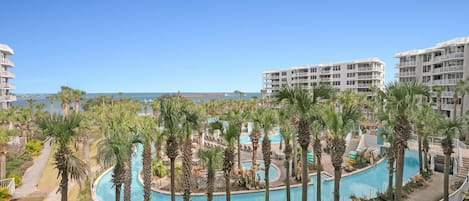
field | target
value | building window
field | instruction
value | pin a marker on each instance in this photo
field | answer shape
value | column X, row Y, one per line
column 336, row 76
column 336, row 83
column 350, row 66
column 314, row 70
column 336, row 68
column 284, row 73
column 313, row 77
column 350, row 82
column 350, row 74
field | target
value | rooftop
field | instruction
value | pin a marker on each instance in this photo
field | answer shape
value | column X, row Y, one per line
column 437, row 47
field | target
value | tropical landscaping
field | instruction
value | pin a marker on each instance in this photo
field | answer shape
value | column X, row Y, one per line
column 191, row 148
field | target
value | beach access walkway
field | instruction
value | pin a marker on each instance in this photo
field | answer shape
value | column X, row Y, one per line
column 33, row 174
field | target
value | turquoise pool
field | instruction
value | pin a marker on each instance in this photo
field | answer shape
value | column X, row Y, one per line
column 273, row 171
column 275, row 138
column 365, row 183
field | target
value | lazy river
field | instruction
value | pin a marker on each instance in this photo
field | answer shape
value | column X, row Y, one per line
column 363, row 184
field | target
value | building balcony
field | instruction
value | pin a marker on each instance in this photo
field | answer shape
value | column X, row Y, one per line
column 453, row 68
column 6, row 49
column 7, row 74
column 448, row 56
column 8, row 98
column 406, row 64
column 369, row 77
column 363, row 69
column 274, row 77
column 7, row 86
column 324, row 79
column 405, row 74
column 445, row 82
column 7, row 62
column 364, row 85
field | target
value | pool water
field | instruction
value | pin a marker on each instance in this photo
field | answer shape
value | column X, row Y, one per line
column 364, row 184
column 273, row 171
column 275, row 138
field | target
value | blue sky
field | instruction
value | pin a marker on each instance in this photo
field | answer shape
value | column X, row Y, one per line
column 208, row 46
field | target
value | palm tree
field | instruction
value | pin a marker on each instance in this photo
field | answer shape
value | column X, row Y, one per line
column 438, row 90
column 448, row 130
column 317, row 127
column 5, row 134
column 338, row 125
column 51, row 98
column 420, row 118
column 255, row 136
column 146, row 131
column 63, row 130
column 78, row 95
column 391, row 154
column 228, row 160
column 170, row 115
column 190, row 123
column 65, row 95
column 212, row 159
column 401, row 99
column 303, row 102
column 266, row 118
column 288, row 134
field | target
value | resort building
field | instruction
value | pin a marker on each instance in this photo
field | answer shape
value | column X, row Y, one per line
column 359, row 75
column 442, row 65
column 6, row 97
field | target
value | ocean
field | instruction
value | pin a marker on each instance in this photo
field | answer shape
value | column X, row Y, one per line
column 197, row 97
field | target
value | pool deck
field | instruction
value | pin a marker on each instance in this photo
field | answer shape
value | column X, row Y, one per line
column 434, row 189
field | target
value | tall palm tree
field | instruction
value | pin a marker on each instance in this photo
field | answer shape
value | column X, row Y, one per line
column 303, row 102
column 448, row 129
column 401, row 99
column 78, row 95
column 288, row 134
column 189, row 124
column 51, row 98
column 228, row 160
column 266, row 118
column 171, row 115
column 316, row 128
column 63, row 130
column 5, row 134
column 338, row 125
column 420, row 117
column 212, row 159
column 255, row 136
column 65, row 95
column 438, row 90
column 146, row 131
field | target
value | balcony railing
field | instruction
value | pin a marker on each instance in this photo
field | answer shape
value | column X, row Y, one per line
column 8, row 86
column 443, row 82
column 448, row 56
column 274, row 77
column 7, row 74
column 7, row 62
column 365, row 85
column 8, row 98
column 405, row 74
column 405, row 64
column 365, row 77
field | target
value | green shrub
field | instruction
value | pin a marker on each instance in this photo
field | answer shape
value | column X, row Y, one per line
column 34, row 147
column 16, row 163
column 4, row 194
column 159, row 168
column 16, row 177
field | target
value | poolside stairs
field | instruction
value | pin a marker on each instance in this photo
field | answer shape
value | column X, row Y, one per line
column 464, row 170
column 353, row 144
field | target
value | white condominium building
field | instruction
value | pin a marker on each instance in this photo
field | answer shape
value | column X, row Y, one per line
column 441, row 65
column 359, row 75
column 6, row 97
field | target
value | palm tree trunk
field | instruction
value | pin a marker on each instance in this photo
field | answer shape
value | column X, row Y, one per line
column 118, row 192
column 146, row 171
column 266, row 150
column 419, row 140
column 267, row 182
column 287, row 180
column 173, row 185
column 210, row 184
column 128, row 180
column 227, row 186
column 399, row 172
column 304, row 173
column 3, row 160
column 293, row 166
column 461, row 113
column 317, row 150
column 187, row 167
column 64, row 185
column 455, row 106
column 337, row 176
column 446, row 177
column 239, row 152
column 254, row 165
column 425, row 157
column 390, row 177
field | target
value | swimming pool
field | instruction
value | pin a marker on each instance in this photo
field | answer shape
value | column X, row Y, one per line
column 365, row 183
column 275, row 138
column 273, row 171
